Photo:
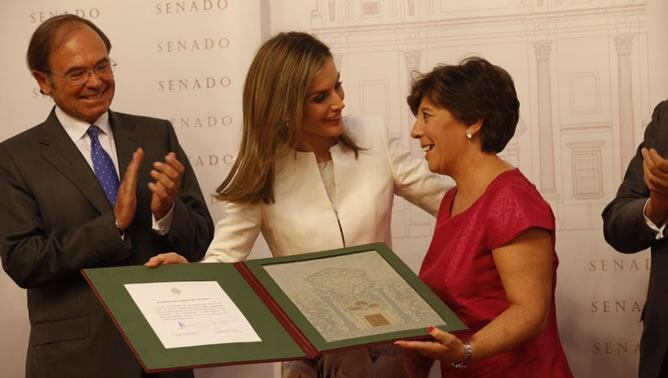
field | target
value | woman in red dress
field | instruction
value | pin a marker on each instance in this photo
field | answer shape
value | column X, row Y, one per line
column 492, row 257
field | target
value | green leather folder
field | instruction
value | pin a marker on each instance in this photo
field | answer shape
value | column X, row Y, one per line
column 300, row 306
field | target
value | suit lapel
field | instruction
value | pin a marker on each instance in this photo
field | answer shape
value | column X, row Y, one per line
column 125, row 138
column 63, row 154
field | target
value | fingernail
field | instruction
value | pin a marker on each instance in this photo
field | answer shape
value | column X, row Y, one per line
column 430, row 329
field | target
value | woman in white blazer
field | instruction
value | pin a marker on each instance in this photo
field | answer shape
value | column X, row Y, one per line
column 302, row 217
column 311, row 180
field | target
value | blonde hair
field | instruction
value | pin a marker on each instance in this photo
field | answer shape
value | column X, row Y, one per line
column 273, row 99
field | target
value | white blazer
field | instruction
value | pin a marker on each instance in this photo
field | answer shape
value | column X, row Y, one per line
column 302, row 218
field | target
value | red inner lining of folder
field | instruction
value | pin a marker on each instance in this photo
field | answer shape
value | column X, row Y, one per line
column 278, row 312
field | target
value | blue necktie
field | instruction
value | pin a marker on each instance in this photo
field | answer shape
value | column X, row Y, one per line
column 103, row 166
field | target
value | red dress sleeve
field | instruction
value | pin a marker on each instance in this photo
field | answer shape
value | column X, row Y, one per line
column 516, row 207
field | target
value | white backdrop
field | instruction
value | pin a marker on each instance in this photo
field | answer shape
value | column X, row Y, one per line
column 588, row 74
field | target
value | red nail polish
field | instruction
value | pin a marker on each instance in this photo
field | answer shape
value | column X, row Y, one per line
column 430, row 329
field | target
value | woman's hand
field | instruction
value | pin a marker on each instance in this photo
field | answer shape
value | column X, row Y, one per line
column 445, row 347
column 165, row 258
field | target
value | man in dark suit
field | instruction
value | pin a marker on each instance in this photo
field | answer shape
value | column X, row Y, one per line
column 636, row 220
column 63, row 207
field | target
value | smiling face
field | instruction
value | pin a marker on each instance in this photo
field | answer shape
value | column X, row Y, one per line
column 321, row 122
column 78, row 48
column 442, row 137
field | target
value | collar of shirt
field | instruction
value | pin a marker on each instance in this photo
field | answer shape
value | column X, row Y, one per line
column 76, row 128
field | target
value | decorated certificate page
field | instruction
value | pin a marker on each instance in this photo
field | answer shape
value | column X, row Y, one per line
column 184, row 314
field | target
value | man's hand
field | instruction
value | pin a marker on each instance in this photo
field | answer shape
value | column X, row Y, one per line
column 126, row 200
column 167, row 184
column 165, row 259
column 655, row 175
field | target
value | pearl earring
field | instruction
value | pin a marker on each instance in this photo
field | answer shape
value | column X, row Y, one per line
column 469, row 135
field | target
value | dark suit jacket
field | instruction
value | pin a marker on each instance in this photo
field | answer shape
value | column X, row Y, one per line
column 625, row 230
column 55, row 220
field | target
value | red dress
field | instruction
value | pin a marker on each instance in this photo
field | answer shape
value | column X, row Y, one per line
column 460, row 269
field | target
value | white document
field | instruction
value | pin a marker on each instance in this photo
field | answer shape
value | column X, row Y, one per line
column 184, row 314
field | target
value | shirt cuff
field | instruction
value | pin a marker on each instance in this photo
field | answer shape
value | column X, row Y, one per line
column 659, row 229
column 162, row 226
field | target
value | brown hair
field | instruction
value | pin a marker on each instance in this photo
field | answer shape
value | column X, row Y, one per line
column 273, row 100
column 473, row 90
column 43, row 40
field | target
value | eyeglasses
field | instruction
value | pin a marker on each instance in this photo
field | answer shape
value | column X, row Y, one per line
column 80, row 76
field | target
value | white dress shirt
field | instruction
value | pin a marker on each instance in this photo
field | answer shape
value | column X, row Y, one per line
column 658, row 229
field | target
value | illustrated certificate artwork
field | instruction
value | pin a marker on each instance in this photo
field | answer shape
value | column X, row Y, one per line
column 354, row 295
column 184, row 314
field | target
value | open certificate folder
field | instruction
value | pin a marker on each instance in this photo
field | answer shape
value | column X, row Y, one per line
column 282, row 308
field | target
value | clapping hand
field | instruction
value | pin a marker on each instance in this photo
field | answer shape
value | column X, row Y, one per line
column 126, row 199
column 167, row 184
column 655, row 175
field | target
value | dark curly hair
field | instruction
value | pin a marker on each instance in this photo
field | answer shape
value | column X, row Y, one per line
column 472, row 90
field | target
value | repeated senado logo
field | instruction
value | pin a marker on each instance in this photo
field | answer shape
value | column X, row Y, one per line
column 39, row 16
column 193, row 84
column 621, row 264
column 201, row 122
column 616, row 305
column 616, row 347
column 192, row 45
column 211, row 160
column 193, row 6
